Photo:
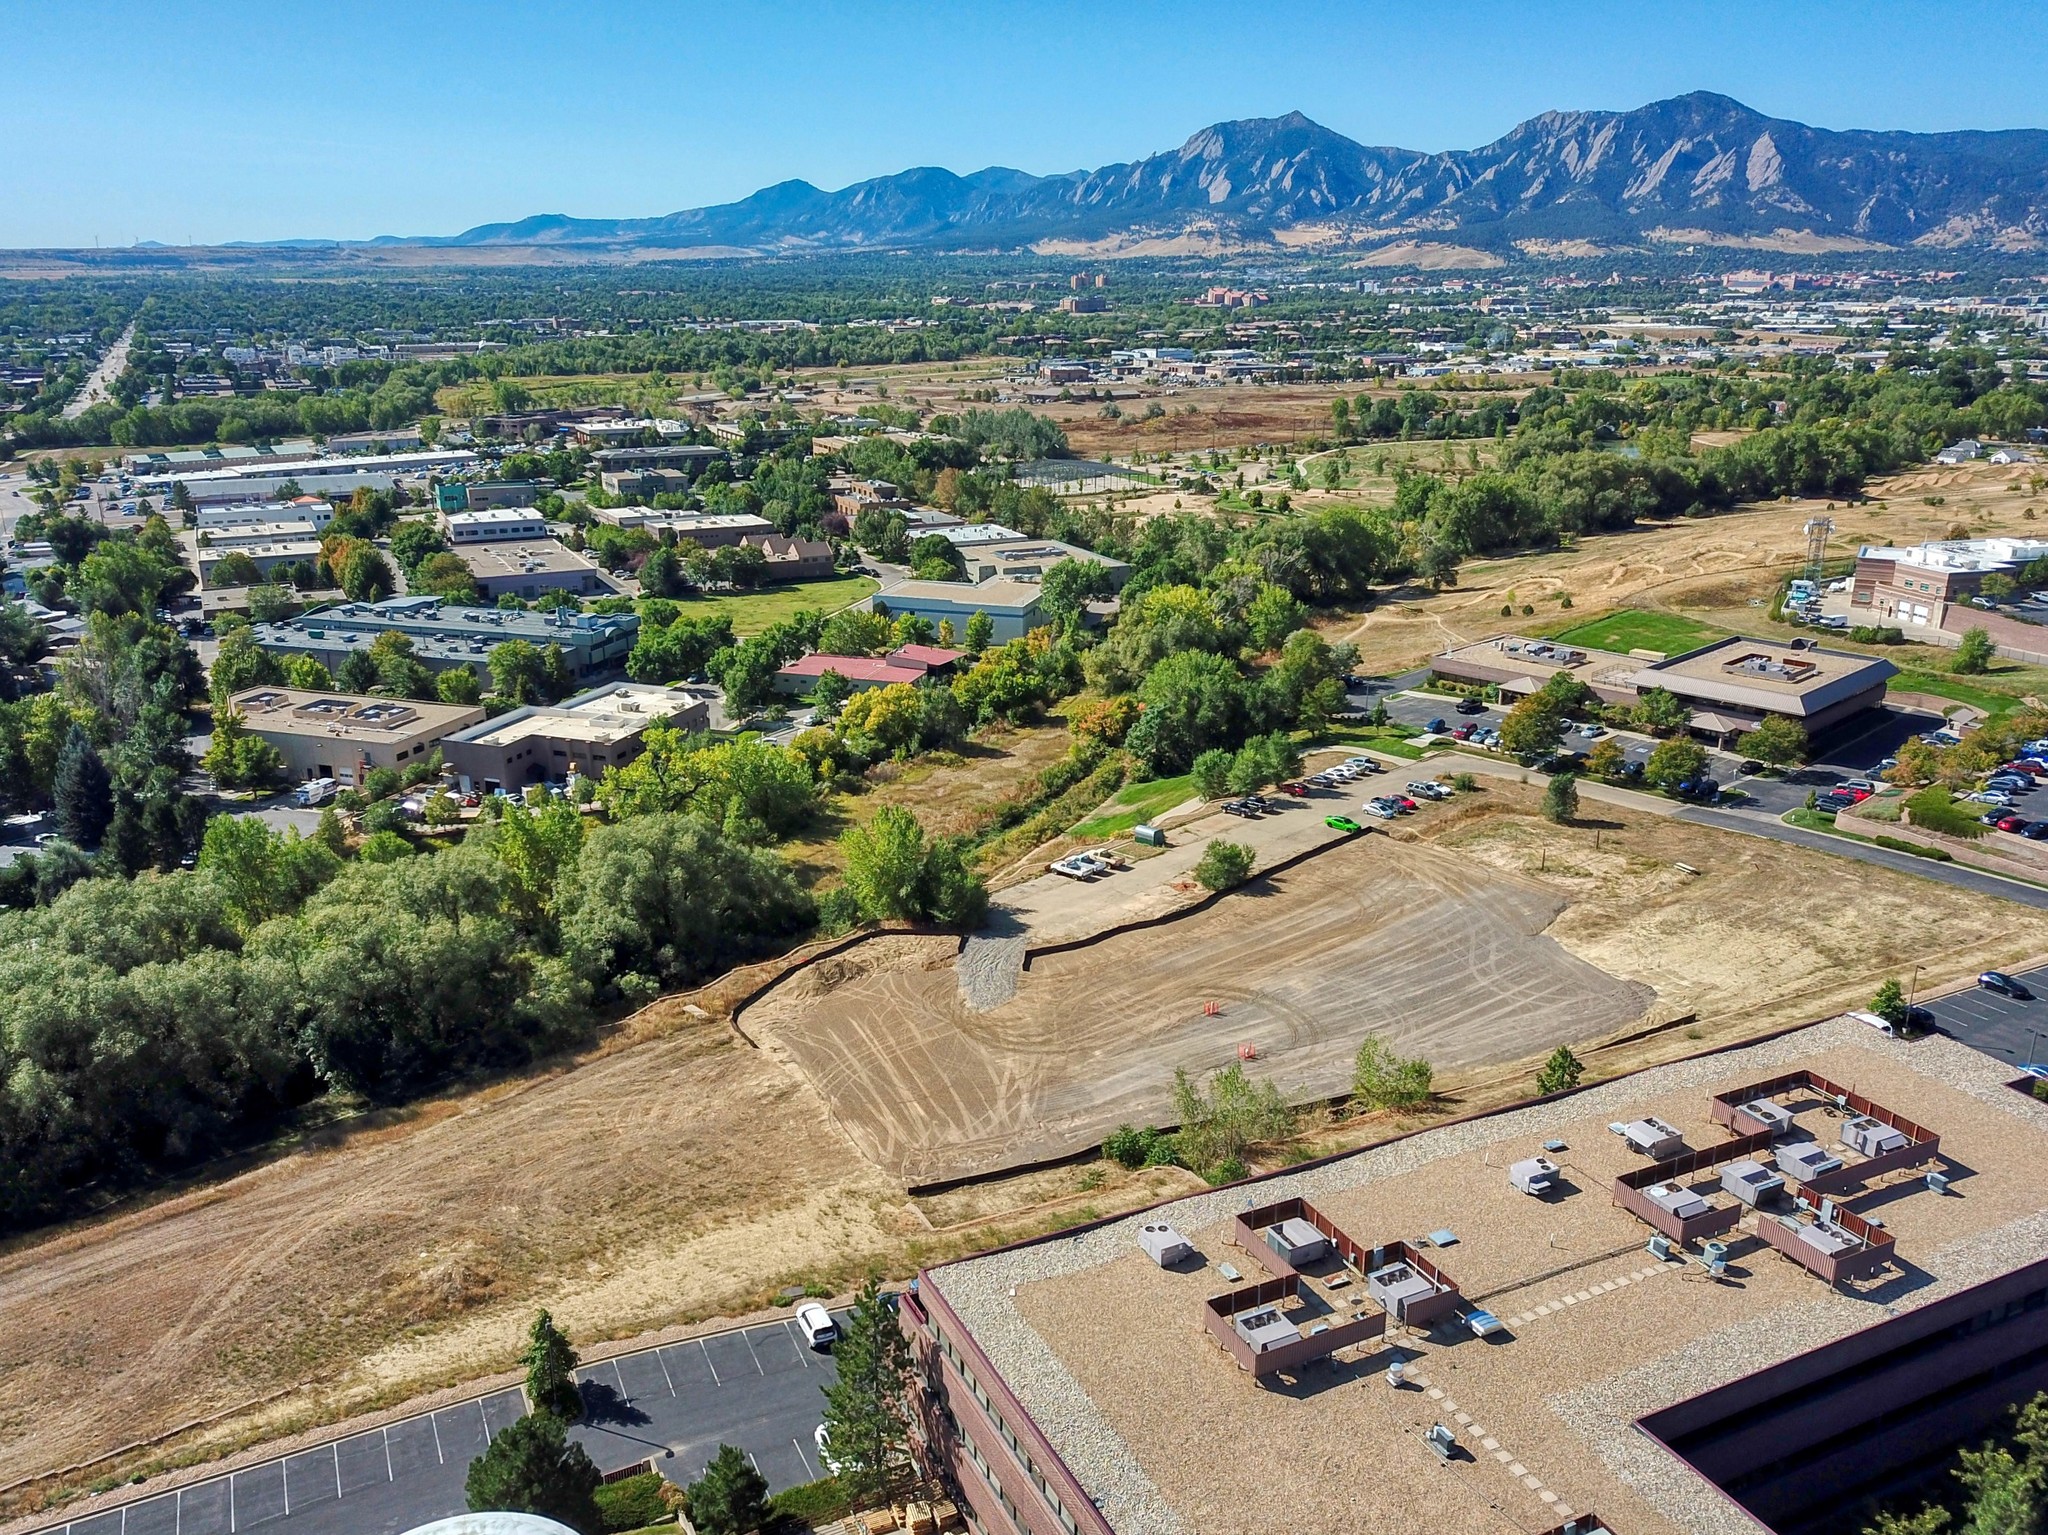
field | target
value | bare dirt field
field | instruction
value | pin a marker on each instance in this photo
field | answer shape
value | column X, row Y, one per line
column 1436, row 953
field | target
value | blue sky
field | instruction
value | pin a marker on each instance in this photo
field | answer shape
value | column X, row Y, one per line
column 212, row 120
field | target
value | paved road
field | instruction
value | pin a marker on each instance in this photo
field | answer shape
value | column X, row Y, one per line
column 102, row 377
column 756, row 1387
column 1763, row 824
column 2013, row 1031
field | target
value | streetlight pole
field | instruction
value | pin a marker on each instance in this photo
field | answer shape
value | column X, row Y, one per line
column 1912, row 986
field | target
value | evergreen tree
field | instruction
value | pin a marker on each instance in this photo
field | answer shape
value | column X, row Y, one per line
column 534, row 1468
column 731, row 1497
column 549, row 1360
column 868, row 1405
column 1561, row 1072
column 1561, row 798
column 83, row 791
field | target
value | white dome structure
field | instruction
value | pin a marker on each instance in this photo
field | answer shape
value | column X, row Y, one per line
column 493, row 1524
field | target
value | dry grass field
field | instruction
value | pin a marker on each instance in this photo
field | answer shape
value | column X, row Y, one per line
column 1720, row 569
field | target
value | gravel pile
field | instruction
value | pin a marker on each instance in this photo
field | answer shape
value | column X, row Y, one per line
column 1601, row 1415
column 988, row 969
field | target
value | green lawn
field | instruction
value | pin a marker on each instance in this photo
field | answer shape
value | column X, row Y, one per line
column 1970, row 691
column 1633, row 629
column 1137, row 803
column 751, row 612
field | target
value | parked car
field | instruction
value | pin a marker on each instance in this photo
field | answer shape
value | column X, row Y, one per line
column 1341, row 823
column 817, row 1326
column 2012, row 823
column 1429, row 790
column 1259, row 803
column 1403, row 802
column 1749, row 766
column 1471, row 706
column 1592, row 730
column 1435, row 727
column 1860, row 783
column 1379, row 808
column 1296, row 790
column 2036, row 832
column 1239, row 807
column 1698, row 788
column 1464, row 732
column 2004, row 985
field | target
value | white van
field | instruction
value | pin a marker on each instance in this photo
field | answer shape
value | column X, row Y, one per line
column 314, row 791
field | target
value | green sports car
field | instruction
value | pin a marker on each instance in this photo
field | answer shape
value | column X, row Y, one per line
column 1342, row 823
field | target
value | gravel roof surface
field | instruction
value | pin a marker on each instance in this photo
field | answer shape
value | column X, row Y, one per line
column 1108, row 1354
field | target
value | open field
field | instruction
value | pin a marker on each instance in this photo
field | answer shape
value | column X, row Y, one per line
column 751, row 612
column 1719, row 571
column 1635, row 629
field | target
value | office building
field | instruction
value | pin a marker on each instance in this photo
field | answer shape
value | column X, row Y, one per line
column 263, row 479
column 1406, row 1337
column 1012, row 606
column 492, row 525
column 585, row 734
column 530, row 569
column 342, row 735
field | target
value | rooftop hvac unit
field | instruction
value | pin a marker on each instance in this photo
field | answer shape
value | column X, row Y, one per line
column 1653, row 1137
column 1751, row 1182
column 1297, row 1241
column 1805, row 1162
column 1936, row 1181
column 1774, row 1117
column 1871, row 1138
column 1163, row 1245
column 1533, row 1175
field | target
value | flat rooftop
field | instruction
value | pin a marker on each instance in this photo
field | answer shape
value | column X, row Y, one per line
column 347, row 716
column 1103, row 1350
column 1540, row 660
column 596, row 718
column 993, row 595
column 1769, row 674
column 514, row 557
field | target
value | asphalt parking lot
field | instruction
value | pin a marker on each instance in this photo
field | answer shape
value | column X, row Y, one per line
column 756, row 1387
column 1999, row 1026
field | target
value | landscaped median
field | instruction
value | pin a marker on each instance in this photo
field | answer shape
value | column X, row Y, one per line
column 1943, row 832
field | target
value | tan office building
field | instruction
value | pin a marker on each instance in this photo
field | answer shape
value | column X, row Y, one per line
column 344, row 735
column 586, row 734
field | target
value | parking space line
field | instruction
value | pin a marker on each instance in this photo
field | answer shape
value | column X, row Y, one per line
column 336, row 1449
column 284, row 1475
column 389, row 1474
column 802, row 1349
column 435, row 1419
column 805, row 1459
column 748, row 1340
column 707, row 1360
column 664, row 1372
column 481, row 1414
column 231, row 1503
column 620, row 1375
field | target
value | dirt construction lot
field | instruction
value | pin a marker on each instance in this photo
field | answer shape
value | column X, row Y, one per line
column 1440, row 955
column 687, row 1176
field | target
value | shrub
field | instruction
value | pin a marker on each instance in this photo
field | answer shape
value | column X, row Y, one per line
column 1219, row 1125
column 1383, row 1080
column 634, row 1502
column 1229, row 1170
column 1465, row 783
column 814, row 1504
column 1932, row 809
column 1561, row 1072
column 1890, row 1002
column 2041, row 1088
column 1224, row 866
column 1561, row 799
column 1132, row 1147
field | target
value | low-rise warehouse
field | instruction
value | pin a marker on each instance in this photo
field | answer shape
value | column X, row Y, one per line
column 529, row 568
column 1675, row 1344
column 585, row 734
column 1012, row 606
column 344, row 735
column 446, row 635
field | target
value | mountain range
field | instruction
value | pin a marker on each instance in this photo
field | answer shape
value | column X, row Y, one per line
column 1696, row 169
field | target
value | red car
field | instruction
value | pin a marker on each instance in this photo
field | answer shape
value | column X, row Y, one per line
column 1860, row 795
column 1298, row 790
column 1464, row 732
column 2011, row 823
column 2033, row 769
column 1403, row 801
